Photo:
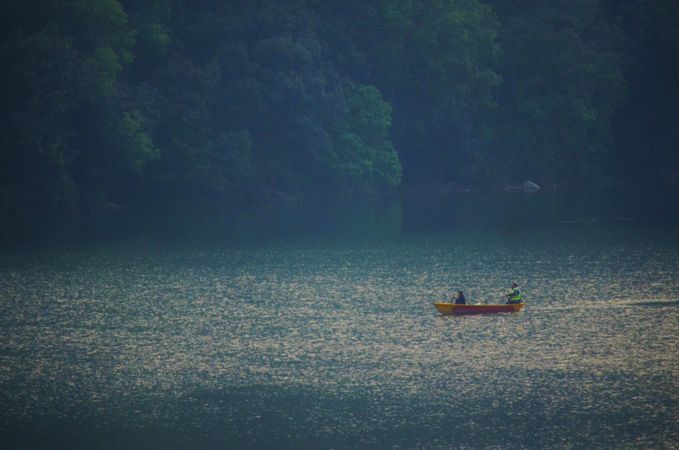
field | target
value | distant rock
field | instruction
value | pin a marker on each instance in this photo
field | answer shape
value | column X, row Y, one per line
column 529, row 187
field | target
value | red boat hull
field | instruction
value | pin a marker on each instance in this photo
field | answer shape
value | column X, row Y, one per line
column 450, row 309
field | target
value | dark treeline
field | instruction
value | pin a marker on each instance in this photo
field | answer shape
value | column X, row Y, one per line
column 227, row 102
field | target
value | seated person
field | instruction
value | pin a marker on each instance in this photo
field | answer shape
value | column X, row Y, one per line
column 459, row 298
column 514, row 295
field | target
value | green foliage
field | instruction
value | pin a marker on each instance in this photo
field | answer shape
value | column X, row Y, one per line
column 127, row 100
column 94, row 23
column 562, row 82
column 369, row 115
column 99, row 74
column 66, row 122
column 38, row 92
column 363, row 154
column 434, row 62
column 135, row 142
column 646, row 137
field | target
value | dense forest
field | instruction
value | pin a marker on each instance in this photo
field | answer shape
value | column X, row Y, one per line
column 139, row 102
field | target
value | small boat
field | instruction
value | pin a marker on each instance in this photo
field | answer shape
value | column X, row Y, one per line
column 449, row 309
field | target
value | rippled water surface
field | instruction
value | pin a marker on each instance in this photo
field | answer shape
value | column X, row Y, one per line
column 334, row 343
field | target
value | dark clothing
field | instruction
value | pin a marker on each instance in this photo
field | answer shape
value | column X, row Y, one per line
column 512, row 302
column 460, row 300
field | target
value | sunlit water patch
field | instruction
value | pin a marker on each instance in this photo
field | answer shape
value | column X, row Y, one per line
column 336, row 344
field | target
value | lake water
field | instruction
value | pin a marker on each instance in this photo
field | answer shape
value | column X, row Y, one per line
column 210, row 335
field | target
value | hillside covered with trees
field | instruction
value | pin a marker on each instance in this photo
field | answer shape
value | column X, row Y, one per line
column 228, row 102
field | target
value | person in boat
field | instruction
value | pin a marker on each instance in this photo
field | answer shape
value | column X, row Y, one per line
column 514, row 295
column 459, row 298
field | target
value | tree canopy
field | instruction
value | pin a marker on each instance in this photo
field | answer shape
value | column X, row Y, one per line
column 221, row 102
